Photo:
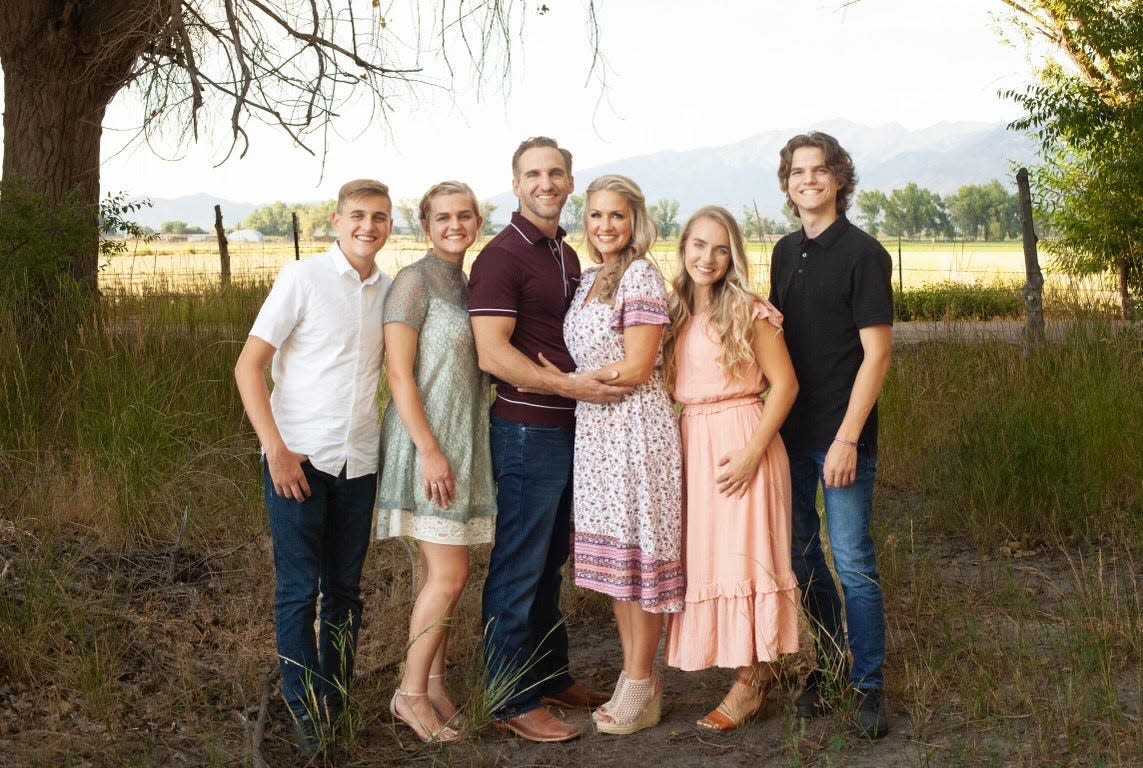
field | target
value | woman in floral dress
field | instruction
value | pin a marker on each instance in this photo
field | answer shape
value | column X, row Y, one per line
column 627, row 480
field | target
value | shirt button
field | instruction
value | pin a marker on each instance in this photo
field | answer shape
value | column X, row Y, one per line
column 803, row 255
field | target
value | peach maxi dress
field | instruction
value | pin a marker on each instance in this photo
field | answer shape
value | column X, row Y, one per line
column 741, row 603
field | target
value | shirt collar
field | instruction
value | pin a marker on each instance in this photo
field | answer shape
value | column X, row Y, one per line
column 829, row 235
column 343, row 267
column 531, row 232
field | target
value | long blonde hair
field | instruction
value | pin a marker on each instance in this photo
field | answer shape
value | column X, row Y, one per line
column 732, row 302
column 643, row 230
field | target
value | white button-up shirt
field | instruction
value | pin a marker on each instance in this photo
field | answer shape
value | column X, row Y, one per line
column 325, row 323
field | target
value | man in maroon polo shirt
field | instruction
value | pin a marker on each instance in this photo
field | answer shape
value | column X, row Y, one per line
column 522, row 283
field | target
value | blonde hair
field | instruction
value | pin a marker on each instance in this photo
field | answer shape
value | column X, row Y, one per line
column 643, row 230
column 351, row 190
column 447, row 188
column 732, row 302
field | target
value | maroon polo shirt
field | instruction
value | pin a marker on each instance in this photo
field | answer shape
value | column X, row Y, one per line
column 530, row 278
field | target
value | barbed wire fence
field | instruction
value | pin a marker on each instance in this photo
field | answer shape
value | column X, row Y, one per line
column 189, row 262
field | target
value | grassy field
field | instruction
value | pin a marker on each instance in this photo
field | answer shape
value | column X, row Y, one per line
column 136, row 589
column 921, row 262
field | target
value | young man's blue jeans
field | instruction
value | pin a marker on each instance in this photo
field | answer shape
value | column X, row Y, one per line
column 848, row 512
column 525, row 641
column 319, row 546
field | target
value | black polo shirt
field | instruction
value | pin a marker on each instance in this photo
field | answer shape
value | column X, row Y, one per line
column 829, row 288
column 532, row 278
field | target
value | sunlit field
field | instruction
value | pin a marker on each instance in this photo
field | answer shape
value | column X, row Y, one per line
column 915, row 263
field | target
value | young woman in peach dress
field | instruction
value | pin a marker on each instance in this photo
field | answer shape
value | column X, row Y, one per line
column 726, row 363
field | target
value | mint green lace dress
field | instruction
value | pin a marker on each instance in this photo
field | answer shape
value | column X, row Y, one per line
column 431, row 296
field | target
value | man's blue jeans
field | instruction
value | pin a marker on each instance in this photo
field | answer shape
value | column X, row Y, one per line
column 319, row 546
column 525, row 640
column 848, row 512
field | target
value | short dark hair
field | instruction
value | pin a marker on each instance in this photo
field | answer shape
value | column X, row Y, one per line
column 539, row 141
column 838, row 161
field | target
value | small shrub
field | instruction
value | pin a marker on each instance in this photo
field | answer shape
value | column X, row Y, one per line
column 957, row 301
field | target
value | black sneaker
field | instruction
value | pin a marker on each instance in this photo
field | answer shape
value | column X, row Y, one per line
column 811, row 702
column 869, row 718
column 309, row 738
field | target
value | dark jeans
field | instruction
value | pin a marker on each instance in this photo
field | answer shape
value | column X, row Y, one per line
column 319, row 546
column 525, row 640
column 848, row 512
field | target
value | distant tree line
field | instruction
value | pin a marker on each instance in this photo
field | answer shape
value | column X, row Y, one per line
column 973, row 212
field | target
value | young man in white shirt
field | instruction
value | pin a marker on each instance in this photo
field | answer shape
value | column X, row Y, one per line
column 320, row 334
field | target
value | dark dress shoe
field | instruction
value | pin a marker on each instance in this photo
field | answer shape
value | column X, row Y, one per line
column 578, row 696
column 539, row 725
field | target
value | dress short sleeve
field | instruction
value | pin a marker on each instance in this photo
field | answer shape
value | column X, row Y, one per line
column 408, row 298
column 766, row 311
column 641, row 298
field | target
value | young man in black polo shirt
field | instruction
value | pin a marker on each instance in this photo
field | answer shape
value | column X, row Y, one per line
column 521, row 285
column 832, row 282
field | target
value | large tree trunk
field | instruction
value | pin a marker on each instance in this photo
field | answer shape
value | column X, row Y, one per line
column 63, row 62
column 52, row 130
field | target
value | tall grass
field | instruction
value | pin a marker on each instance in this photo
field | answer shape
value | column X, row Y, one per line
column 1002, row 441
column 132, row 418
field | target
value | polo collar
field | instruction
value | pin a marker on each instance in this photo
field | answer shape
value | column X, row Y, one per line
column 531, row 233
column 829, row 235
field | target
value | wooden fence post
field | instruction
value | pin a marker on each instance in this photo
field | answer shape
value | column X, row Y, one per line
column 297, row 250
column 1034, row 287
column 223, row 246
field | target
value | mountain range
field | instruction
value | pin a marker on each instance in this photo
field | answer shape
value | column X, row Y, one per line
column 942, row 157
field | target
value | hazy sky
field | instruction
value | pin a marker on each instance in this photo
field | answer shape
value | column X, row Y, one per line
column 680, row 74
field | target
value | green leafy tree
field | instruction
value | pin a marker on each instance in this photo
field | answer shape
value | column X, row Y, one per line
column 316, row 219
column 871, row 204
column 486, row 210
column 665, row 214
column 1087, row 112
column 572, row 217
column 173, row 227
column 409, row 211
column 913, row 211
column 755, row 226
column 274, row 219
column 198, row 65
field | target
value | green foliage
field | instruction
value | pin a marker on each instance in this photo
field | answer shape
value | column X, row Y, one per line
column 1007, row 443
column 984, row 211
column 180, row 228
column 409, row 211
column 665, row 214
column 755, row 226
column 276, row 219
column 572, row 217
column 486, row 210
column 871, row 205
column 142, row 403
column 956, row 301
column 1088, row 116
column 914, row 211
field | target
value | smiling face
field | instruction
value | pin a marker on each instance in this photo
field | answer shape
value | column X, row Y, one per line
column 542, row 184
column 706, row 254
column 811, row 185
column 363, row 224
column 608, row 223
column 453, row 225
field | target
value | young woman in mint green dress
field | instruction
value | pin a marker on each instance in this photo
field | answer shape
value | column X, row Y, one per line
column 436, row 470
